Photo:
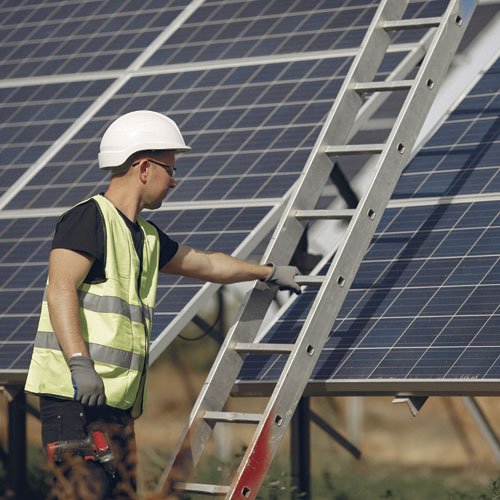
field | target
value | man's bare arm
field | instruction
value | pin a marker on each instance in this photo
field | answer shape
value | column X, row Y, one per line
column 216, row 267
column 67, row 270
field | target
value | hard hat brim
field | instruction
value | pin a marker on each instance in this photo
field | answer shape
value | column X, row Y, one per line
column 111, row 159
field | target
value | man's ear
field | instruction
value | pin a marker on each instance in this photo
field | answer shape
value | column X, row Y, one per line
column 143, row 170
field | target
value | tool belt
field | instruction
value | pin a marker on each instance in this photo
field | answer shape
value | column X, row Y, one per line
column 95, row 448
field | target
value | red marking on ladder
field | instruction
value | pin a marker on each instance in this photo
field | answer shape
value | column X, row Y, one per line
column 256, row 467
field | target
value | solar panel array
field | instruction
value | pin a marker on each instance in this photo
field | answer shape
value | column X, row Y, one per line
column 249, row 83
column 424, row 303
column 251, row 123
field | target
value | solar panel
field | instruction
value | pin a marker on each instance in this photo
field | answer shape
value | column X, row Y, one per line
column 462, row 157
column 251, row 129
column 424, row 303
column 269, row 139
column 428, row 286
column 33, row 117
column 43, row 38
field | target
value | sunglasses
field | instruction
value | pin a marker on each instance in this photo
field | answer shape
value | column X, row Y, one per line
column 170, row 170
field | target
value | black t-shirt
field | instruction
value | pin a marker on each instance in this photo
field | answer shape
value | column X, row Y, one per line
column 81, row 229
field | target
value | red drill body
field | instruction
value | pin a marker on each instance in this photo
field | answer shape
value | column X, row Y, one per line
column 95, row 447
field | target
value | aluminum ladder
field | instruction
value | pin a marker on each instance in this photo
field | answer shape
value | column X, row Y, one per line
column 391, row 158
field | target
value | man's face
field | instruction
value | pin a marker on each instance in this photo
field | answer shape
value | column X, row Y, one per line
column 159, row 179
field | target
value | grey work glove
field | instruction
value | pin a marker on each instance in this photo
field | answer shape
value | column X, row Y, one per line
column 88, row 385
column 284, row 278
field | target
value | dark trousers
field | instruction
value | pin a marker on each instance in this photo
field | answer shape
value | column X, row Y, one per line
column 75, row 477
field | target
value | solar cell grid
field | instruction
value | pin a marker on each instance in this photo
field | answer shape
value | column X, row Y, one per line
column 463, row 155
column 33, row 117
column 46, row 38
column 424, row 302
column 236, row 29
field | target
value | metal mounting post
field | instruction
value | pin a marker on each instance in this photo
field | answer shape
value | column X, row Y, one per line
column 484, row 426
column 300, row 450
column 335, row 435
column 16, row 462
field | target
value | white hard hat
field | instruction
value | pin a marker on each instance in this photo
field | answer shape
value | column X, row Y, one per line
column 139, row 131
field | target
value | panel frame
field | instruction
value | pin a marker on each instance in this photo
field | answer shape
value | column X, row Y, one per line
column 380, row 387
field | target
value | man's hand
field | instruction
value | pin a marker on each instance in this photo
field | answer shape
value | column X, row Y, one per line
column 284, row 278
column 88, row 385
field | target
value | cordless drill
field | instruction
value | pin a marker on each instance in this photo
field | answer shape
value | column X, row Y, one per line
column 95, row 447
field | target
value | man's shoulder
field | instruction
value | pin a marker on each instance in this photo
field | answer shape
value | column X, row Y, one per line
column 87, row 208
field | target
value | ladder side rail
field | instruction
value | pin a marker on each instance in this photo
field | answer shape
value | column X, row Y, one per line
column 324, row 311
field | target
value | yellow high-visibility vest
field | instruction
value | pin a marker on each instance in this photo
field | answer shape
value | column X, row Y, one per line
column 115, row 319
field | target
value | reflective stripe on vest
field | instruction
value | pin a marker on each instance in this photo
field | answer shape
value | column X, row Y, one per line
column 102, row 353
column 114, row 305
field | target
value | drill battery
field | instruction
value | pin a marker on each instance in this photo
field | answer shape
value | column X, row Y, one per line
column 95, row 447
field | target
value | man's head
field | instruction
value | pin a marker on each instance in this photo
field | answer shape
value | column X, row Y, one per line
column 139, row 149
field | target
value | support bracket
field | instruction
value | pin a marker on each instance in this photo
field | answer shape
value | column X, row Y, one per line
column 414, row 403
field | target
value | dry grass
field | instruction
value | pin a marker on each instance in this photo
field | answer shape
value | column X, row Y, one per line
column 443, row 439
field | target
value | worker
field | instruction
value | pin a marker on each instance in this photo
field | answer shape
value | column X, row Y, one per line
column 90, row 358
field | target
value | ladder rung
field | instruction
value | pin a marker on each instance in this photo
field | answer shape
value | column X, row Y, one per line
column 231, row 416
column 383, row 86
column 354, row 149
column 310, row 280
column 204, row 489
column 263, row 348
column 324, row 214
column 408, row 24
